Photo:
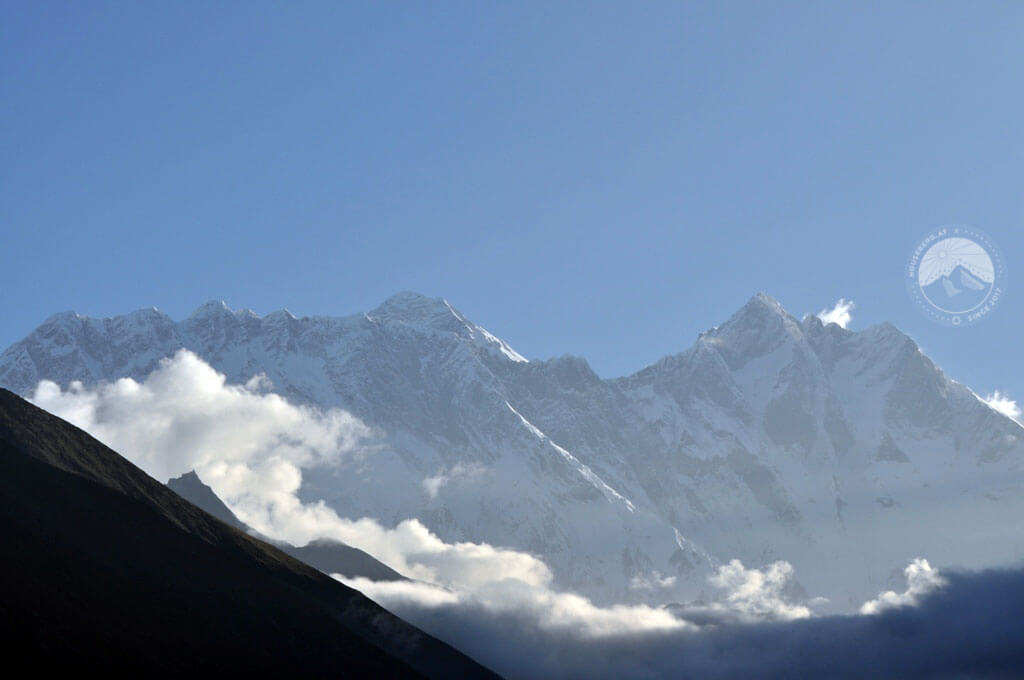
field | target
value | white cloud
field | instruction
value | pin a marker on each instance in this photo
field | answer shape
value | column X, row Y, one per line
column 547, row 609
column 653, row 581
column 758, row 593
column 185, row 416
column 749, row 595
column 1002, row 403
column 432, row 485
column 840, row 314
column 922, row 578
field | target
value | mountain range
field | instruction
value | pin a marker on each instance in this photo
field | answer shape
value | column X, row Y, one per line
column 770, row 438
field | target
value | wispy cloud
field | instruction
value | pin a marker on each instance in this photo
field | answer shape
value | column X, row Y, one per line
column 840, row 314
column 653, row 581
column 460, row 471
column 1002, row 403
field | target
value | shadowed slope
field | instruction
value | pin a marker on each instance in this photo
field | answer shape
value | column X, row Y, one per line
column 107, row 570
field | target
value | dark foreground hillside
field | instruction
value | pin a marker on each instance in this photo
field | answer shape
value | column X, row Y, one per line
column 105, row 569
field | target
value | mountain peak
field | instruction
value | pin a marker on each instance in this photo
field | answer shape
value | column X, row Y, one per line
column 280, row 314
column 211, row 308
column 190, row 487
column 61, row 317
column 764, row 303
column 189, row 477
column 761, row 313
column 757, row 328
column 416, row 309
column 408, row 301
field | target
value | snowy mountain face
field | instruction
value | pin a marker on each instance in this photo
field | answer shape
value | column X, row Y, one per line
column 845, row 453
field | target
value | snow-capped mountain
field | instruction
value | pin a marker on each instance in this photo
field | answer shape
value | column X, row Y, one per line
column 845, row 453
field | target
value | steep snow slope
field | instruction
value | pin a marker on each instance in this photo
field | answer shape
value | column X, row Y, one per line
column 846, row 453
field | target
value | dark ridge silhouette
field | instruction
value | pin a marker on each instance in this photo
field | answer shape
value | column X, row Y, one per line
column 108, row 571
column 192, row 489
column 335, row 557
column 330, row 557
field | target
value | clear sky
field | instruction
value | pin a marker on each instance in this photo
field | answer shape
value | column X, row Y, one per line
column 601, row 179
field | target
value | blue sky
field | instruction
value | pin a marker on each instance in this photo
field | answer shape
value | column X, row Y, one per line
column 602, row 179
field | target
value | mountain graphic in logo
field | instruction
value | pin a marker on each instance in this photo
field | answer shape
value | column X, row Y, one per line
column 956, row 275
column 957, row 293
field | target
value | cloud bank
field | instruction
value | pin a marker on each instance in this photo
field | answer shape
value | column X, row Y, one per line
column 840, row 314
column 967, row 627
